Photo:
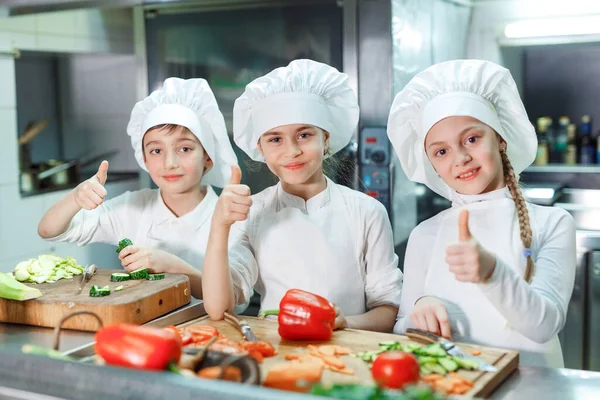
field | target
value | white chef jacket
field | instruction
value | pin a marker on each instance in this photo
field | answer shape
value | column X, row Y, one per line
column 143, row 217
column 505, row 311
column 338, row 244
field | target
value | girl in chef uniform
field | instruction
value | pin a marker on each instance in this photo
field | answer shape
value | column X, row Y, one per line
column 179, row 136
column 305, row 232
column 493, row 269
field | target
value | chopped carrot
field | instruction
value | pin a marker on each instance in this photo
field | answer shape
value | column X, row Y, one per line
column 459, row 389
column 292, row 356
column 231, row 373
column 257, row 355
column 342, row 351
column 334, row 362
column 345, row 371
column 316, row 354
column 327, row 350
column 288, row 376
column 313, row 348
column 432, row 378
column 474, row 352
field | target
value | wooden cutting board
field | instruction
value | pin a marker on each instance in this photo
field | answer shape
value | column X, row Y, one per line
column 485, row 382
column 140, row 301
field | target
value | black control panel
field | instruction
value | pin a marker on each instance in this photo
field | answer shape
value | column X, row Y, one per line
column 374, row 160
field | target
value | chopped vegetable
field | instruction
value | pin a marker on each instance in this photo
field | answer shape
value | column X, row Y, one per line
column 119, row 277
column 452, row 384
column 156, row 277
column 295, row 376
column 304, row 316
column 231, row 373
column 142, row 347
column 97, row 291
column 12, row 289
column 124, row 243
column 119, row 288
column 47, row 268
column 363, row 392
column 141, row 273
column 42, row 351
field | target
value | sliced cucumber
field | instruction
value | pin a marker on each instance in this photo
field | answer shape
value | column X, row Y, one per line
column 425, row 370
column 436, row 368
column 97, row 291
column 119, row 288
column 141, row 273
column 466, row 364
column 156, row 277
column 448, row 363
column 119, row 277
column 426, row 359
column 433, row 350
column 411, row 347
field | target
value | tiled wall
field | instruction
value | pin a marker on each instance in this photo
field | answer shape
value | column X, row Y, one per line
column 88, row 31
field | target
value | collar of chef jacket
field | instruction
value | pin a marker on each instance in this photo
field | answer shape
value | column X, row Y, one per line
column 194, row 219
column 459, row 200
column 311, row 205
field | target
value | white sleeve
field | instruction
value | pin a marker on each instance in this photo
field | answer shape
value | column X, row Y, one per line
column 243, row 265
column 538, row 310
column 416, row 264
column 383, row 277
column 103, row 224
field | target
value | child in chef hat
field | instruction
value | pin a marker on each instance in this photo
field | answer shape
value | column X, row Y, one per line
column 496, row 268
column 179, row 136
column 305, row 232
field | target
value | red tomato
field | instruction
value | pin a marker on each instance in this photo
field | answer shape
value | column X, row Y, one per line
column 394, row 369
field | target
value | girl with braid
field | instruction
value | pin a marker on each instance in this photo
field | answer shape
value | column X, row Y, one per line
column 492, row 269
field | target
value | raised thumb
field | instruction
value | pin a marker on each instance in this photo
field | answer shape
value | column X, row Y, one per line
column 463, row 226
column 102, row 173
column 236, row 175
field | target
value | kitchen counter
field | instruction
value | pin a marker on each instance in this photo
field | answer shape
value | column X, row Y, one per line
column 53, row 377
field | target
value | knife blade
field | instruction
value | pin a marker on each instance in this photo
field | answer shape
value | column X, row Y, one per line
column 88, row 271
column 242, row 326
column 449, row 346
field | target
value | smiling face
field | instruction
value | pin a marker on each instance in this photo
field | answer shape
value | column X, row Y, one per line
column 465, row 153
column 294, row 152
column 175, row 158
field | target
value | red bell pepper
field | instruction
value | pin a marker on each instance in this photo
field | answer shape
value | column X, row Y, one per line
column 140, row 347
column 304, row 316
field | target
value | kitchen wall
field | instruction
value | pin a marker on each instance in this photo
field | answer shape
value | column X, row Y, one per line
column 81, row 31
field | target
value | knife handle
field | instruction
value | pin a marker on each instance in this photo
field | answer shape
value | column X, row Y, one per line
column 423, row 336
column 234, row 320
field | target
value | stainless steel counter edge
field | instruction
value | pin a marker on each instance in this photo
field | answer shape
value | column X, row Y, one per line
column 193, row 310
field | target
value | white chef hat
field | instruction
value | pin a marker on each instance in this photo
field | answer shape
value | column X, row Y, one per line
column 304, row 92
column 479, row 89
column 192, row 104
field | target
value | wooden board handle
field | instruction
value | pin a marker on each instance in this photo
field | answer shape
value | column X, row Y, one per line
column 423, row 336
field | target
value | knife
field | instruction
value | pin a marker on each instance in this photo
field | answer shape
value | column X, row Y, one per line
column 450, row 347
column 87, row 274
column 243, row 327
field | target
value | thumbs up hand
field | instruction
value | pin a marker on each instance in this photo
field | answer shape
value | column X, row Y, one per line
column 467, row 259
column 235, row 201
column 91, row 193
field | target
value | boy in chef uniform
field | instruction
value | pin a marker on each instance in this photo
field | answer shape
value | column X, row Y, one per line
column 493, row 269
column 179, row 136
column 305, row 232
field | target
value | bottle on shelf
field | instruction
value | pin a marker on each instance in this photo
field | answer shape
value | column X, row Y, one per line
column 571, row 152
column 560, row 141
column 587, row 150
column 541, row 157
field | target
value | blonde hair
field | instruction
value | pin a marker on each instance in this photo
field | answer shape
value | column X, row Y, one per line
column 522, row 213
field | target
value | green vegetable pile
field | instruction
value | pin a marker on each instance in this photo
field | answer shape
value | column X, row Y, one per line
column 432, row 357
column 47, row 268
column 124, row 243
column 363, row 392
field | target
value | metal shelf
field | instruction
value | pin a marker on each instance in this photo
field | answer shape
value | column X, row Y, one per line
column 561, row 168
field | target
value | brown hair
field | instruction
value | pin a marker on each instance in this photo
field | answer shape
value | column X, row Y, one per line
column 522, row 213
